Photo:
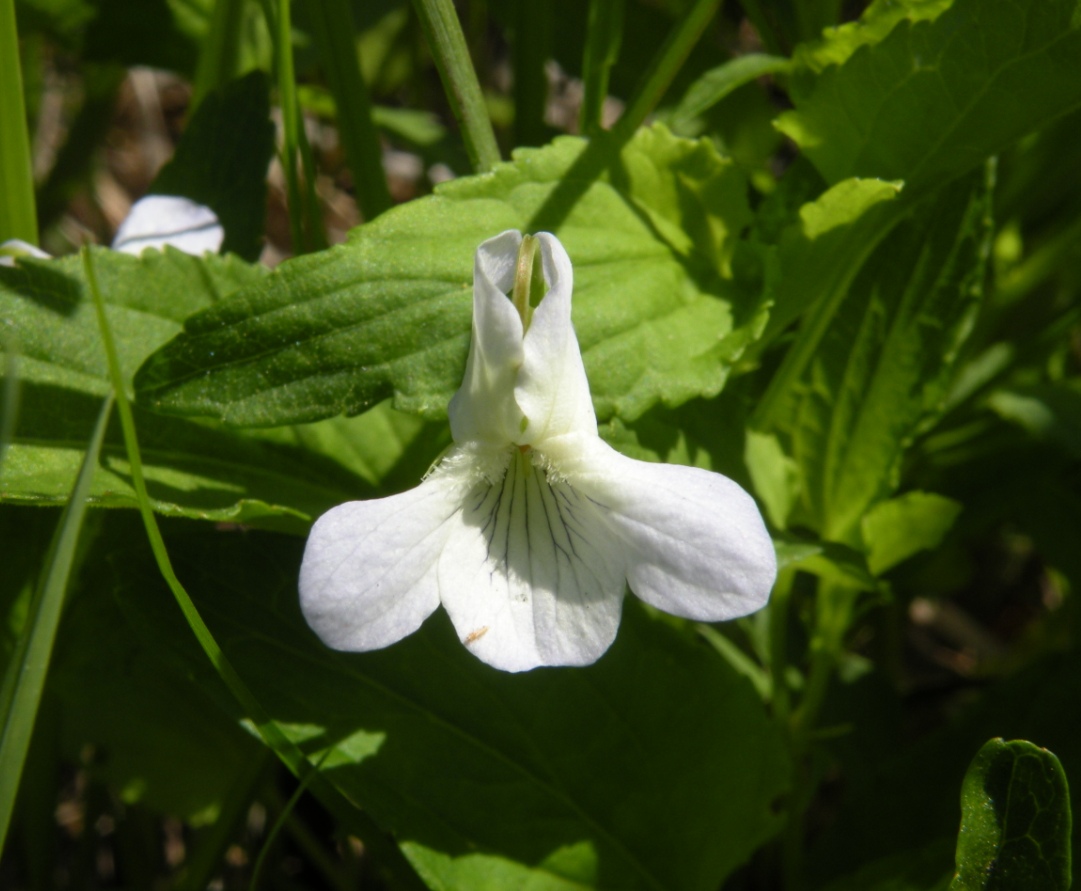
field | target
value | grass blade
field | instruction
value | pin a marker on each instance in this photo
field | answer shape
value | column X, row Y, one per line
column 219, row 59
column 18, row 212
column 666, row 65
column 25, row 677
column 603, row 38
column 444, row 34
column 305, row 221
column 334, row 33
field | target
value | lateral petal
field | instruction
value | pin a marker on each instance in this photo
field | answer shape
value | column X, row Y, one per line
column 696, row 545
column 552, row 389
column 531, row 575
column 483, row 409
column 368, row 577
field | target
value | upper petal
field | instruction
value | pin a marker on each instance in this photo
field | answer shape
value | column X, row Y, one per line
column 483, row 409
column 531, row 575
column 552, row 389
column 158, row 220
column 368, row 577
column 696, row 543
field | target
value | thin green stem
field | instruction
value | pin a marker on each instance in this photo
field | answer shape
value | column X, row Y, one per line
column 666, row 65
column 210, row 844
column 382, row 847
column 18, row 210
column 305, row 222
column 286, row 812
column 334, row 33
column 9, row 407
column 444, row 34
column 24, row 680
column 604, row 35
column 778, row 647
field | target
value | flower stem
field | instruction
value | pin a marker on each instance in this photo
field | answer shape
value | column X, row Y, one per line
column 603, row 37
column 444, row 34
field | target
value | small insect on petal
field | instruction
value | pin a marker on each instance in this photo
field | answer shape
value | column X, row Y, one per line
column 474, row 636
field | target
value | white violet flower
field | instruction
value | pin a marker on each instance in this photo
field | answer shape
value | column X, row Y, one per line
column 530, row 528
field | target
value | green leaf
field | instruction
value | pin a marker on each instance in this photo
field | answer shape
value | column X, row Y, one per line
column 923, row 869
column 1051, row 412
column 894, row 530
column 388, row 313
column 281, row 478
column 839, row 43
column 1015, row 824
column 820, row 252
column 711, row 87
column 933, row 99
column 775, row 475
column 221, row 161
column 883, row 365
column 194, row 469
column 654, row 768
column 825, row 559
column 142, row 715
column 24, row 679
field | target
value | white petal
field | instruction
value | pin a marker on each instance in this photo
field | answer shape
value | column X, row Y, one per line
column 531, row 574
column 16, row 247
column 483, row 409
column 158, row 220
column 368, row 577
column 697, row 545
column 552, row 390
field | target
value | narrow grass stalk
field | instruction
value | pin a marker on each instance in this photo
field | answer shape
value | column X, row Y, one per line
column 9, row 406
column 532, row 49
column 334, row 33
column 604, row 35
column 210, row 844
column 276, row 829
column 382, row 847
column 305, row 222
column 18, row 211
column 219, row 59
column 444, row 34
column 24, row 681
column 666, row 65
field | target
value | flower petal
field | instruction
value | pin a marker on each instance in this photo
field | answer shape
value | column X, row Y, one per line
column 368, row 577
column 16, row 247
column 483, row 409
column 158, row 220
column 532, row 575
column 696, row 543
column 552, row 389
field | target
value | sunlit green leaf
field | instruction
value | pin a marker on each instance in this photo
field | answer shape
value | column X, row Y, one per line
column 1015, row 823
column 934, row 98
column 652, row 243
column 884, row 362
column 894, row 530
column 281, row 478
